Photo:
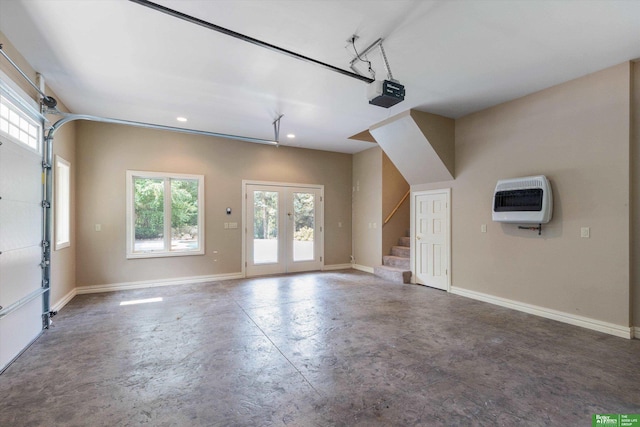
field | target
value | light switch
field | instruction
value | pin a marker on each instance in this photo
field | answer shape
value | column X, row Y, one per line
column 98, row 227
column 226, row 225
column 584, row 232
column 233, row 225
column 483, row 228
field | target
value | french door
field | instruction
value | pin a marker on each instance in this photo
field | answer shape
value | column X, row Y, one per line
column 283, row 227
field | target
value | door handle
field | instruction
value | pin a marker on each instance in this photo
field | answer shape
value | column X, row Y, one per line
column 418, row 237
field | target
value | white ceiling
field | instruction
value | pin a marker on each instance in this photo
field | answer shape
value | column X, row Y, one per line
column 115, row 58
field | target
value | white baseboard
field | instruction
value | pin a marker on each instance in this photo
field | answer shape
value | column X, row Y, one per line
column 636, row 332
column 362, row 268
column 336, row 267
column 572, row 319
column 64, row 300
column 156, row 283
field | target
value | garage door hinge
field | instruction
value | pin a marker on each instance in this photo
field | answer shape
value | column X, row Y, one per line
column 45, row 243
column 46, row 204
column 44, row 264
column 46, row 165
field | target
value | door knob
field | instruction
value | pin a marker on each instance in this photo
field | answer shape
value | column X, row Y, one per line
column 418, row 237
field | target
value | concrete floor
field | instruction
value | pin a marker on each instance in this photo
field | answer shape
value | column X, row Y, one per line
column 323, row 349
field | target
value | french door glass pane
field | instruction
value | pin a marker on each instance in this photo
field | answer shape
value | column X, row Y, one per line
column 184, row 214
column 265, row 227
column 149, row 214
column 304, row 226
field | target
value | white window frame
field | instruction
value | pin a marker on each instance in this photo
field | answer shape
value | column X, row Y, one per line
column 130, row 228
column 18, row 126
column 62, row 203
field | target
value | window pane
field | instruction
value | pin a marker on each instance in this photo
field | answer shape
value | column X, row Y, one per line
column 265, row 227
column 149, row 214
column 304, row 218
column 184, row 214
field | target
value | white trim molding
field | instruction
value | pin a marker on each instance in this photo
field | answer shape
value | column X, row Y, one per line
column 156, row 283
column 336, row 267
column 362, row 268
column 560, row 316
column 64, row 300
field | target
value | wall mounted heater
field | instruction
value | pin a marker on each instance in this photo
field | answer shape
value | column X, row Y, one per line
column 525, row 200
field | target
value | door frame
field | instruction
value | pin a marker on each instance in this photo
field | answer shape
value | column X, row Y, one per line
column 244, row 225
column 412, row 251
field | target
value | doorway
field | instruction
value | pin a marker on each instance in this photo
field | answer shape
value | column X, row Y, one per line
column 431, row 233
column 283, row 228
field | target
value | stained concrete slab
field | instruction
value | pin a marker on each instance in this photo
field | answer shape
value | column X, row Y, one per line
column 315, row 349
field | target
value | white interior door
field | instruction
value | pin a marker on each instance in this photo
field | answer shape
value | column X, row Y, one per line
column 21, row 193
column 283, row 228
column 431, row 239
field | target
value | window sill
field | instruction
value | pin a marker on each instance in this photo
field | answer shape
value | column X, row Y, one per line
column 159, row 254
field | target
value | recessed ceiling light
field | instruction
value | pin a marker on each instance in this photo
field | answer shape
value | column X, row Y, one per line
column 290, row 135
column 181, row 119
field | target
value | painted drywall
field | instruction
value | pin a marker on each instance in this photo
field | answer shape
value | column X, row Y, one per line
column 578, row 135
column 394, row 187
column 105, row 152
column 367, row 208
column 420, row 144
column 63, row 262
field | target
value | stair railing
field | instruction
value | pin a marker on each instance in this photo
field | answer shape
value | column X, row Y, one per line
column 393, row 212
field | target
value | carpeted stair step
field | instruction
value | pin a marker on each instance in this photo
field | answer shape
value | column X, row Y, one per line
column 404, row 241
column 396, row 261
column 401, row 251
column 393, row 274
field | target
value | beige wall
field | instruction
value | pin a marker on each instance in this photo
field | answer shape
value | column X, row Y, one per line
column 63, row 274
column 105, row 152
column 394, row 187
column 577, row 134
column 367, row 208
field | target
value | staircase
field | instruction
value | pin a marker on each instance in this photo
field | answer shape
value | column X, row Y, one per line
column 396, row 267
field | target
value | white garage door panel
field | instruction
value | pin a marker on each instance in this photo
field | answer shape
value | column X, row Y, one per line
column 18, row 329
column 24, row 225
column 20, row 274
column 21, row 228
column 20, row 174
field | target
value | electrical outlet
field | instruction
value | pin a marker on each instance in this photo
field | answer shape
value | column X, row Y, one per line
column 98, row 227
column 584, row 232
